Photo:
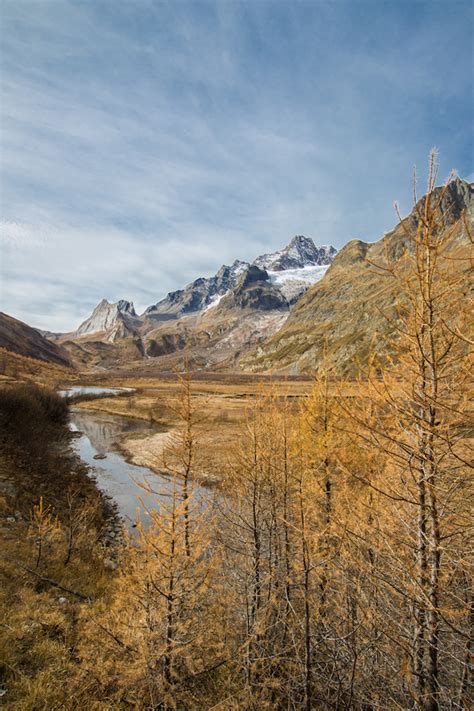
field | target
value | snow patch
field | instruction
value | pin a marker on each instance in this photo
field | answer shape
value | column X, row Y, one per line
column 214, row 301
column 309, row 275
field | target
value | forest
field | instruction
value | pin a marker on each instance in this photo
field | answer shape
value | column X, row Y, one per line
column 330, row 569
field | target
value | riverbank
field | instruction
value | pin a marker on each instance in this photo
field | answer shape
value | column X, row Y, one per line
column 223, row 404
column 37, row 457
column 146, row 451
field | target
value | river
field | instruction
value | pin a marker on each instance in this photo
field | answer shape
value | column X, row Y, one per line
column 97, row 445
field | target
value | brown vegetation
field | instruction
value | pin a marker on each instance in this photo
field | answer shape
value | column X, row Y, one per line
column 330, row 569
column 19, row 338
column 353, row 308
column 53, row 551
column 18, row 368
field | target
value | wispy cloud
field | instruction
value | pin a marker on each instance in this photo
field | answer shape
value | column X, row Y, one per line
column 144, row 144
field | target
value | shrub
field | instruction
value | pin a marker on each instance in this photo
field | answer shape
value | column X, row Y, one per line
column 28, row 412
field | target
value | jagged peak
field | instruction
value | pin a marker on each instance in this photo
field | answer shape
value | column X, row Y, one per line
column 251, row 275
column 299, row 252
column 106, row 314
column 458, row 181
column 125, row 306
column 300, row 240
column 122, row 305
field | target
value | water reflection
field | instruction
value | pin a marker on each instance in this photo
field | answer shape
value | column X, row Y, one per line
column 93, row 390
column 121, row 480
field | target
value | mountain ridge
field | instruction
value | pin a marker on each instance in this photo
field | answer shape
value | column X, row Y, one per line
column 217, row 316
column 256, row 319
column 204, row 291
column 300, row 252
column 17, row 337
column 119, row 319
column 342, row 313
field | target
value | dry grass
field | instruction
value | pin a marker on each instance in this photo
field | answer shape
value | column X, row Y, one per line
column 17, row 368
column 222, row 403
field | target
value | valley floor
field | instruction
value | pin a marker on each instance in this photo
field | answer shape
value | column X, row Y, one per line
column 222, row 403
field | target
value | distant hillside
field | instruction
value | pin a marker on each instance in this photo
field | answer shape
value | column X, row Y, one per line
column 214, row 318
column 347, row 308
column 17, row 337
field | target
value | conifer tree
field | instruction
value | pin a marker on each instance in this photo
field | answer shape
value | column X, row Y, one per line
column 419, row 409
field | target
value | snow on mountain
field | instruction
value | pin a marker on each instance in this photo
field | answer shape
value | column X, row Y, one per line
column 203, row 294
column 300, row 252
column 237, row 267
column 199, row 294
column 240, row 305
column 294, row 282
column 282, row 277
column 214, row 301
column 309, row 274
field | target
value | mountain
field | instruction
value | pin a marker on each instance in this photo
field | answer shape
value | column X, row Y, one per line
column 254, row 290
column 291, row 271
column 199, row 294
column 300, row 252
column 115, row 320
column 346, row 307
column 252, row 310
column 274, row 314
column 215, row 317
column 20, row 338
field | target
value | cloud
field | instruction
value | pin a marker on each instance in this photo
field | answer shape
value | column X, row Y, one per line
column 143, row 145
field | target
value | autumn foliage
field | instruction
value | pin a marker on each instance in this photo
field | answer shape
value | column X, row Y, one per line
column 331, row 568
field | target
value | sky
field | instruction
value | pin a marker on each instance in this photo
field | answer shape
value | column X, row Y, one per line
column 145, row 143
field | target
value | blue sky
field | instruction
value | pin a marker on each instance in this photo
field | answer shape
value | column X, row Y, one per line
column 145, row 143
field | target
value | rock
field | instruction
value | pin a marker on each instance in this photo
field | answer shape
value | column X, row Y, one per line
column 205, row 292
column 100, row 456
column 254, row 291
column 199, row 294
column 209, row 480
column 62, row 600
column 116, row 320
column 11, row 519
column 300, row 252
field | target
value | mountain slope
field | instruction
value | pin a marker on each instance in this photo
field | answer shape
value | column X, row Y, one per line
column 215, row 317
column 116, row 320
column 300, row 252
column 346, row 307
column 206, row 292
column 20, row 338
column 197, row 295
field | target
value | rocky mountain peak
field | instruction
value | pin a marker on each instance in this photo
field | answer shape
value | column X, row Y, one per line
column 107, row 316
column 254, row 290
column 126, row 307
column 206, row 292
column 252, row 275
column 198, row 295
column 459, row 196
column 227, row 276
column 299, row 253
column 301, row 244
